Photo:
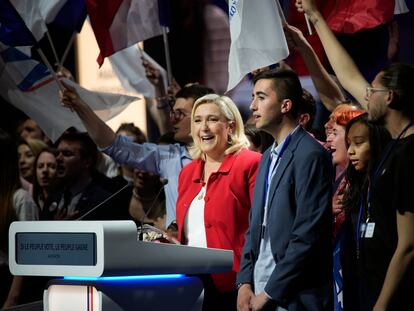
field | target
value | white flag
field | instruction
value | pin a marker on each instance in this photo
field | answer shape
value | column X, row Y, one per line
column 29, row 86
column 37, row 13
column 400, row 7
column 257, row 37
column 128, row 67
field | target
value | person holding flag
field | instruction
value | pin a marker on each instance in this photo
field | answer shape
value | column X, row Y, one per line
column 384, row 230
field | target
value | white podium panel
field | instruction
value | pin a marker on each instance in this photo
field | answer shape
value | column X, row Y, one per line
column 102, row 248
column 106, row 268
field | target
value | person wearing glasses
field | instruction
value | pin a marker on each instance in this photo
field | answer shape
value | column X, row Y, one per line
column 385, row 226
column 164, row 160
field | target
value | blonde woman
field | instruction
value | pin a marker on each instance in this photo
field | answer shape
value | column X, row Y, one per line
column 215, row 191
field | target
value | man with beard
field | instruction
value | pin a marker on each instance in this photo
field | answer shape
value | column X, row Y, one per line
column 385, row 226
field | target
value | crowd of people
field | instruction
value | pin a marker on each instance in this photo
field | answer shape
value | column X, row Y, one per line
column 314, row 223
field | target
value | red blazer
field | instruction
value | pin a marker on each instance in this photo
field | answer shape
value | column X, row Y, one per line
column 228, row 200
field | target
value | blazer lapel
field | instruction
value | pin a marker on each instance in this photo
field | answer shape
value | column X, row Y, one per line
column 259, row 188
column 284, row 162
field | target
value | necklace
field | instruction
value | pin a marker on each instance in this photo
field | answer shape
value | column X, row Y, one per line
column 202, row 193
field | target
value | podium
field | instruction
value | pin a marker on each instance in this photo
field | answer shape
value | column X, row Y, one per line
column 105, row 267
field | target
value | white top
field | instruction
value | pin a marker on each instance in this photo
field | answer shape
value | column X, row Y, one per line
column 24, row 205
column 194, row 228
column 26, row 209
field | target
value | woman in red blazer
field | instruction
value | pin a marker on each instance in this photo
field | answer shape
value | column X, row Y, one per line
column 215, row 191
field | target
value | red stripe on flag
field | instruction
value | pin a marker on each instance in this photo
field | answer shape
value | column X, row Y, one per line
column 101, row 14
column 39, row 85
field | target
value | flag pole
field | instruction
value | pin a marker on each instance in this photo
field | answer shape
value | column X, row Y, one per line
column 54, row 75
column 167, row 54
column 49, row 38
column 66, row 52
column 280, row 11
column 308, row 25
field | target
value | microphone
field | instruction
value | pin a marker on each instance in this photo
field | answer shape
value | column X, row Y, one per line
column 129, row 183
column 164, row 181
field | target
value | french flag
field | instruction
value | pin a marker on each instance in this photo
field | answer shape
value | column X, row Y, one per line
column 24, row 22
column 118, row 24
column 13, row 29
column 29, row 86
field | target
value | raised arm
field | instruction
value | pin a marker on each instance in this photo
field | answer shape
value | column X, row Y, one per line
column 345, row 69
column 329, row 92
column 159, row 107
column 102, row 134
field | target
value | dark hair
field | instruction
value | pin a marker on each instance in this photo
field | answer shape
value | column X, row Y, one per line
column 308, row 106
column 139, row 136
column 379, row 137
column 286, row 84
column 9, row 183
column 398, row 77
column 194, row 91
column 258, row 138
column 88, row 149
column 251, row 131
column 37, row 191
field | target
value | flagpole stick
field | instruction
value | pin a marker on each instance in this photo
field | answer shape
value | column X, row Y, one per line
column 167, row 54
column 140, row 52
column 66, row 52
column 54, row 75
column 49, row 38
column 308, row 25
column 280, row 11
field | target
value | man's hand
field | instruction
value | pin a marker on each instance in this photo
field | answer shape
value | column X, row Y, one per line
column 153, row 74
column 69, row 97
column 244, row 297
column 294, row 38
column 258, row 302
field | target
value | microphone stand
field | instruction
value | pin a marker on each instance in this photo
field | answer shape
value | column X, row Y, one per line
column 104, row 201
column 141, row 234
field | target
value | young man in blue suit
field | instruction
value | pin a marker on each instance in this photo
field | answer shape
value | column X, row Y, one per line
column 286, row 260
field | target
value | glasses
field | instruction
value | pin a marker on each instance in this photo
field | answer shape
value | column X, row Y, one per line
column 177, row 114
column 369, row 90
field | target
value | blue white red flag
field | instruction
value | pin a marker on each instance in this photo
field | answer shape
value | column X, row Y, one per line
column 13, row 30
column 71, row 15
column 118, row 24
column 29, row 86
column 24, row 22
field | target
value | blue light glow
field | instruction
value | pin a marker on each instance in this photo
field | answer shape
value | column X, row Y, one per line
column 126, row 278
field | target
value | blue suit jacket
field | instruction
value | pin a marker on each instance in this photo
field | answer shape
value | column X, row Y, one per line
column 299, row 224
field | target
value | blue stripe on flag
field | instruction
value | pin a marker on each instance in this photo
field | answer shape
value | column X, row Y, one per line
column 13, row 55
column 13, row 30
column 72, row 15
column 36, row 74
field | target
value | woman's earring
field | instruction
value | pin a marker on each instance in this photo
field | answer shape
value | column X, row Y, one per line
column 229, row 140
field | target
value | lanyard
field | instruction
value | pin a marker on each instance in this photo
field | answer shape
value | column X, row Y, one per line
column 279, row 155
column 388, row 151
